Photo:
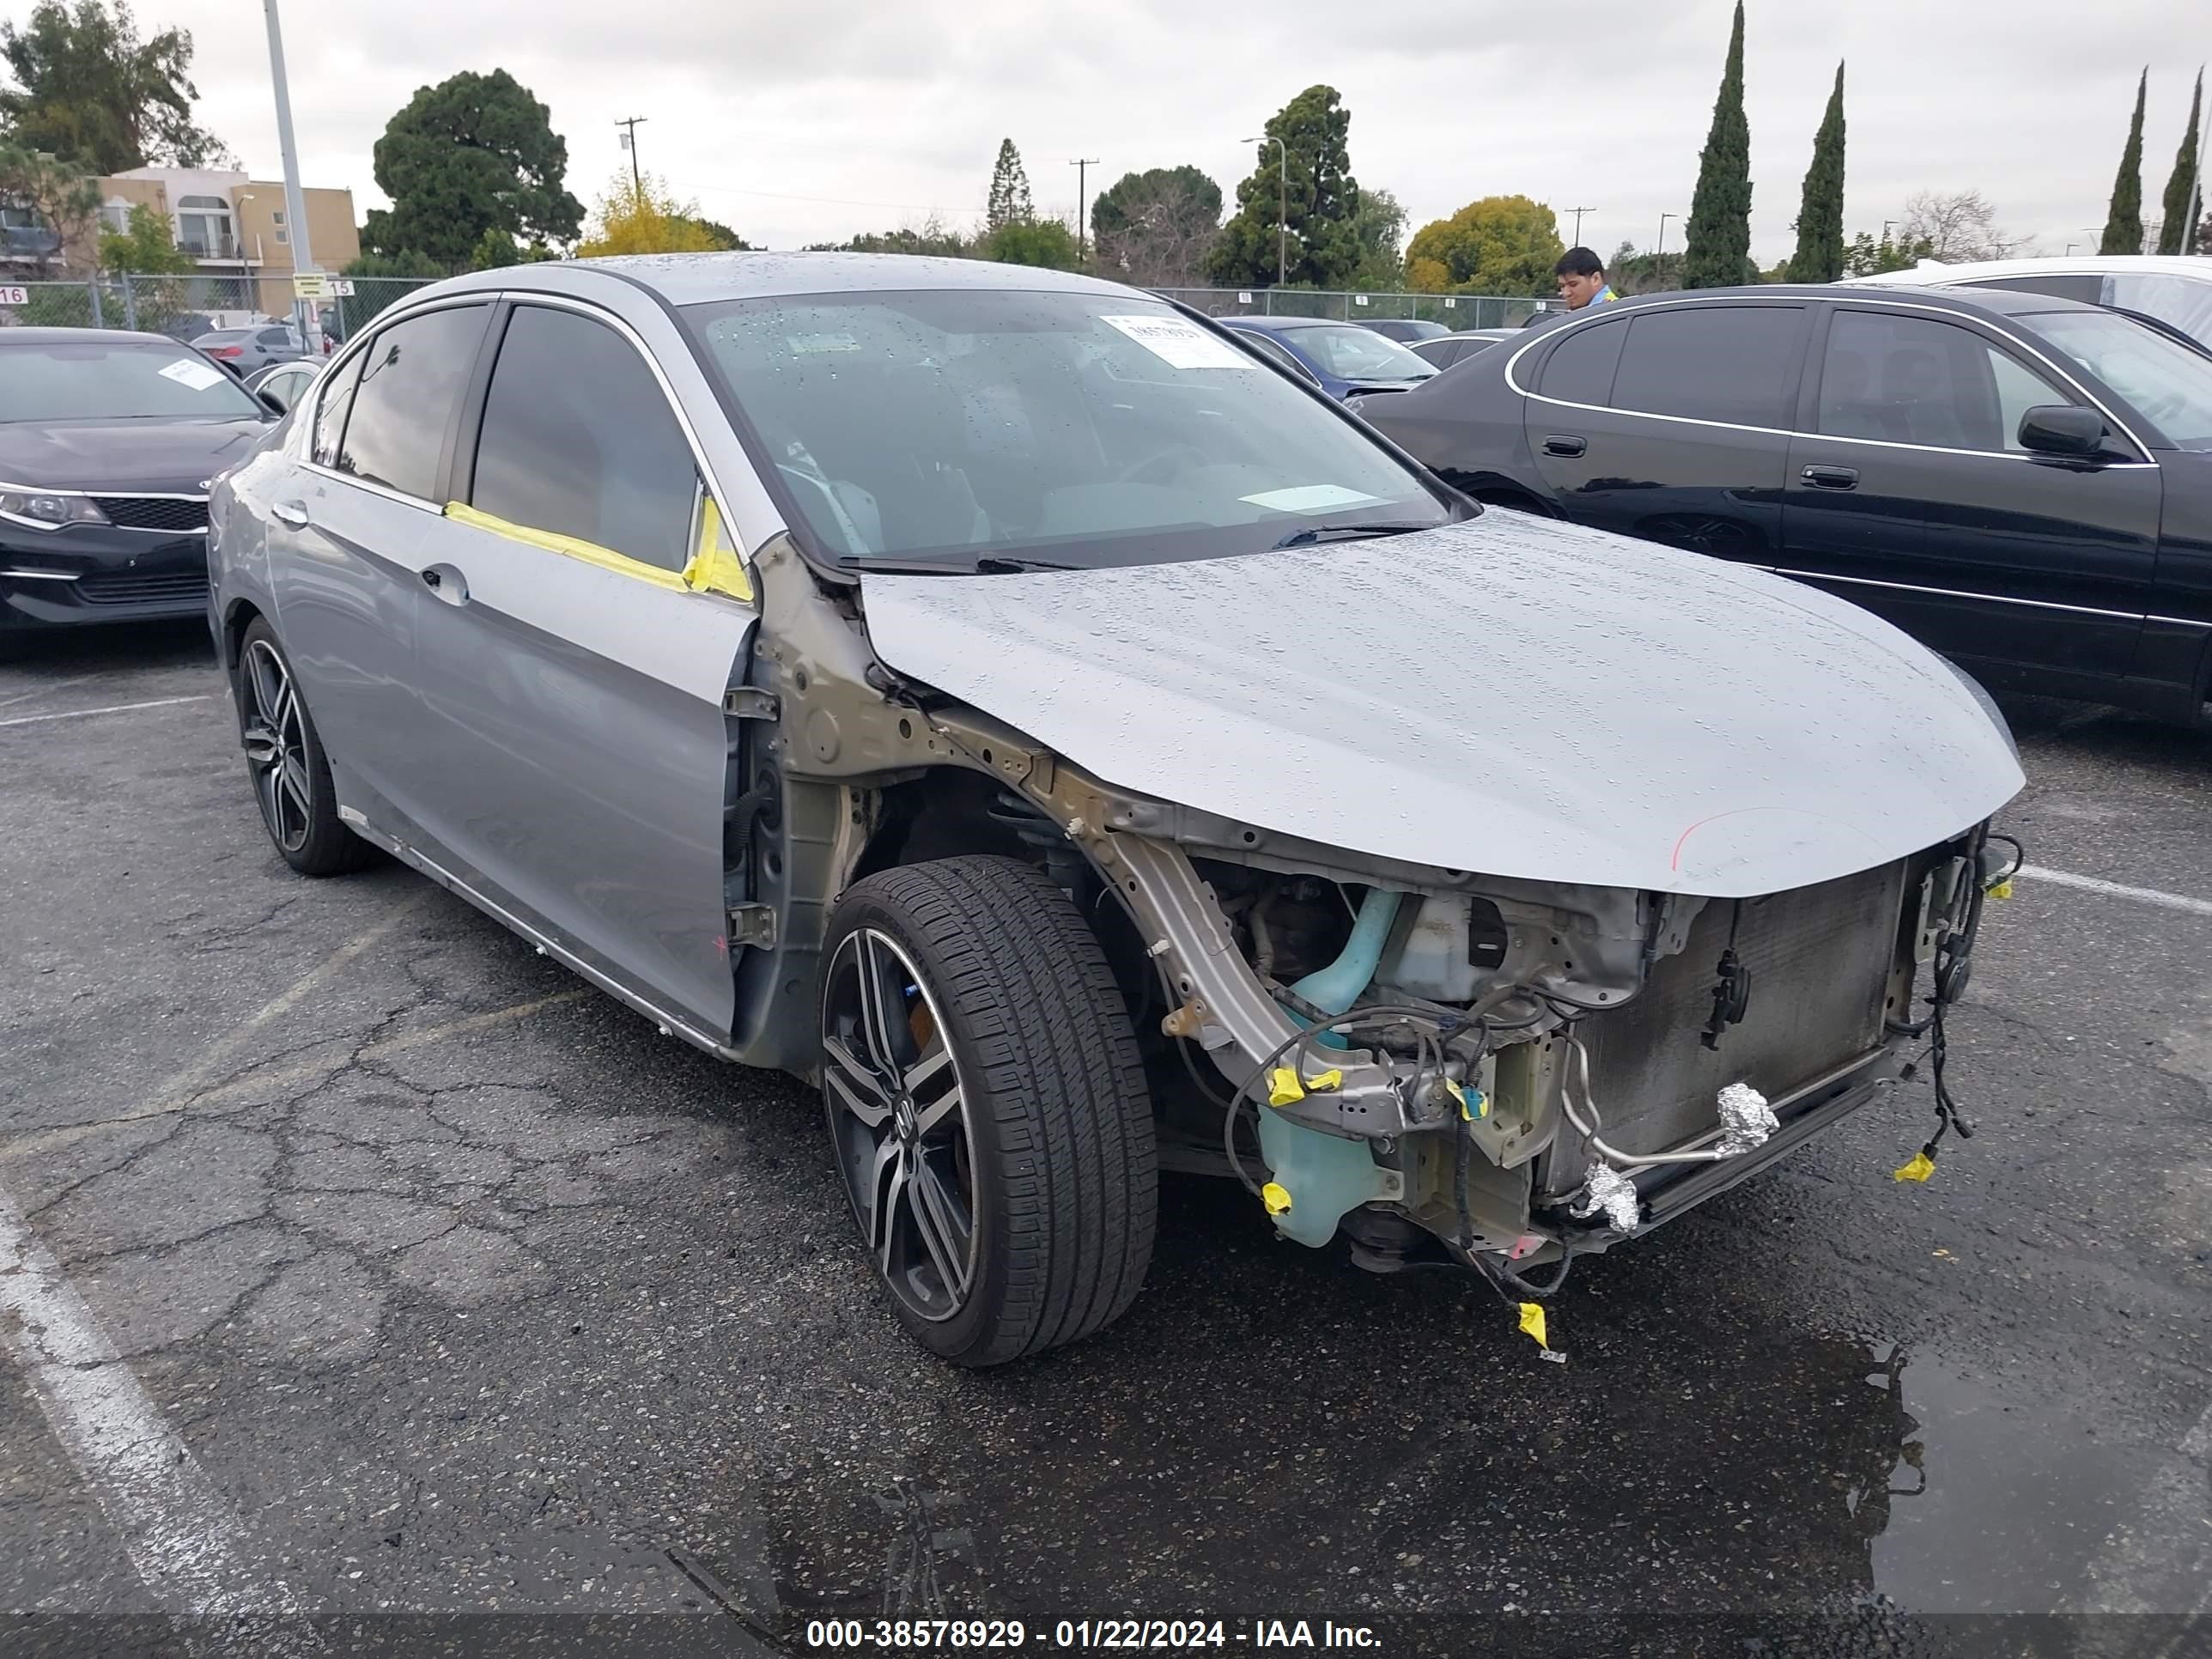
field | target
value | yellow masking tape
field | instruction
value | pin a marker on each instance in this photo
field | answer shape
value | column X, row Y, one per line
column 572, row 547
column 1332, row 1078
column 1919, row 1169
column 1283, row 1087
column 1277, row 1199
column 715, row 567
column 1532, row 1321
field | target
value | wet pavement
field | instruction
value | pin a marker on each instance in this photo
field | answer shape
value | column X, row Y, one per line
column 465, row 1296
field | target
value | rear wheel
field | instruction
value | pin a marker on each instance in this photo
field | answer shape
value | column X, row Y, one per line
column 284, row 758
column 987, row 1107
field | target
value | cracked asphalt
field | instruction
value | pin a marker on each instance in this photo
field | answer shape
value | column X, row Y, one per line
column 477, row 1300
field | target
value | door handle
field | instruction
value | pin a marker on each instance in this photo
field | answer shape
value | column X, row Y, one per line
column 293, row 514
column 1564, row 444
column 447, row 583
column 1831, row 477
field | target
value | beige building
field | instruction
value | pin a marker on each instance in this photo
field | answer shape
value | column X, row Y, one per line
column 233, row 225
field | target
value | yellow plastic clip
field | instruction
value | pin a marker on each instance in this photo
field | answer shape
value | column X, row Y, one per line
column 1332, row 1078
column 1919, row 1169
column 2001, row 890
column 1532, row 1322
column 1283, row 1087
column 1276, row 1197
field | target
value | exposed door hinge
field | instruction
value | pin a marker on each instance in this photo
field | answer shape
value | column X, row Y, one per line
column 753, row 926
column 750, row 702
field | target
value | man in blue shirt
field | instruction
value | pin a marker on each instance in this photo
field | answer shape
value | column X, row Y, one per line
column 1581, row 276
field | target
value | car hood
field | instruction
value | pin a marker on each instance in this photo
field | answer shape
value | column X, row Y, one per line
column 1510, row 695
column 176, row 457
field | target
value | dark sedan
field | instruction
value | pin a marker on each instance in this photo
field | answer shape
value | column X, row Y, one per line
column 1348, row 359
column 108, row 443
column 1405, row 331
column 2022, row 483
column 1445, row 349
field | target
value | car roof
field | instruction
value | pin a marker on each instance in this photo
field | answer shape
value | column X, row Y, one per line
column 1276, row 325
column 2002, row 302
column 685, row 279
column 1932, row 271
column 27, row 337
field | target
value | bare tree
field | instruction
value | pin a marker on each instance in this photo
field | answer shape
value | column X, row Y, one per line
column 1956, row 226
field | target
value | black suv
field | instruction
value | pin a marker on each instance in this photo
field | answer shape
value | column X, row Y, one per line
column 2022, row 483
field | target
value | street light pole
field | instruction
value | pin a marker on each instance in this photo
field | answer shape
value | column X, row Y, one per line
column 1283, row 207
column 1578, row 213
column 1082, row 164
column 295, row 209
column 630, row 125
column 1661, row 248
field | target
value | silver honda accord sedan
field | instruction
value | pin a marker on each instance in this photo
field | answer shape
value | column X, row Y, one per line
column 1002, row 697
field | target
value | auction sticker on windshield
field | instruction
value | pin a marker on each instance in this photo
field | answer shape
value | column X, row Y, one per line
column 1180, row 345
column 1309, row 498
column 198, row 376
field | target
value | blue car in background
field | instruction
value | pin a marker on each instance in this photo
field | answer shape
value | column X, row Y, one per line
column 1347, row 359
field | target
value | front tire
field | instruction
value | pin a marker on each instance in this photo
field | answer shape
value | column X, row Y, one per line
column 284, row 758
column 987, row 1106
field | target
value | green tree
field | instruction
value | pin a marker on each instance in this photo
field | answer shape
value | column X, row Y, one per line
column 1045, row 242
column 2172, row 229
column 1867, row 258
column 932, row 238
column 146, row 248
column 1380, row 224
column 495, row 250
column 474, row 153
column 1717, row 253
column 2123, row 229
column 1009, row 203
column 1819, row 255
column 1630, row 271
column 90, row 91
column 1323, row 237
column 721, row 236
column 1156, row 228
column 58, row 193
column 1496, row 245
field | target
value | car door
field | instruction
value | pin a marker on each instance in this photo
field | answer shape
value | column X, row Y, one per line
column 1911, row 493
column 574, row 738
column 346, row 541
column 1670, row 422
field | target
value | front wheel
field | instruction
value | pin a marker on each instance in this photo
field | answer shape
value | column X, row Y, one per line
column 284, row 758
column 987, row 1107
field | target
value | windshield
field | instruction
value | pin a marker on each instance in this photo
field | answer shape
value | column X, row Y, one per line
column 2168, row 382
column 1358, row 353
column 1086, row 428
column 97, row 380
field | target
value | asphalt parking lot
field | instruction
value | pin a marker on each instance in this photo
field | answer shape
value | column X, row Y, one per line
column 378, row 1267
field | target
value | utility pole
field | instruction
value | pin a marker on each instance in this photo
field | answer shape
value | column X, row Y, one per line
column 296, row 208
column 1082, row 164
column 1283, row 208
column 1661, row 248
column 630, row 125
column 1578, row 213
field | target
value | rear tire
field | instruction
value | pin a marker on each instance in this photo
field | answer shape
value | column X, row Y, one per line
column 1021, row 1215
column 284, row 758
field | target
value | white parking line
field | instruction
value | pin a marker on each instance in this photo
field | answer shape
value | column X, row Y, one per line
column 112, row 708
column 182, row 1535
column 2195, row 907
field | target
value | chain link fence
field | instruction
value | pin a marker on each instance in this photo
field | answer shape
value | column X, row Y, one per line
column 1453, row 311
column 185, row 308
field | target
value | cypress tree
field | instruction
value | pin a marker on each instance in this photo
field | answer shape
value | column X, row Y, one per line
column 2123, row 224
column 1009, row 202
column 2173, row 229
column 1820, row 255
column 1718, row 254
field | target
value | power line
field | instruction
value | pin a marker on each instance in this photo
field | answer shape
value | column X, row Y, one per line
column 832, row 200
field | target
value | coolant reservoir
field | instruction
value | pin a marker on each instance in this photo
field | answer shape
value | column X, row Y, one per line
column 1433, row 961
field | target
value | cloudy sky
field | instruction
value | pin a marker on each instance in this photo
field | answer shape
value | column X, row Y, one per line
column 806, row 120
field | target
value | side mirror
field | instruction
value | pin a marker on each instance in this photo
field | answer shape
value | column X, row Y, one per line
column 272, row 403
column 2062, row 430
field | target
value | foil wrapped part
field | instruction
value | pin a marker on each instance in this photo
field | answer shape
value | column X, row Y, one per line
column 1745, row 1119
column 1612, row 1191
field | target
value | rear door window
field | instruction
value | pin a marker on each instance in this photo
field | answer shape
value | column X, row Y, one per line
column 1730, row 363
column 1581, row 368
column 579, row 441
column 331, row 412
column 412, row 380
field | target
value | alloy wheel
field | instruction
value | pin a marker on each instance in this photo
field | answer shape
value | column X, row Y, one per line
column 277, row 747
column 898, row 1120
